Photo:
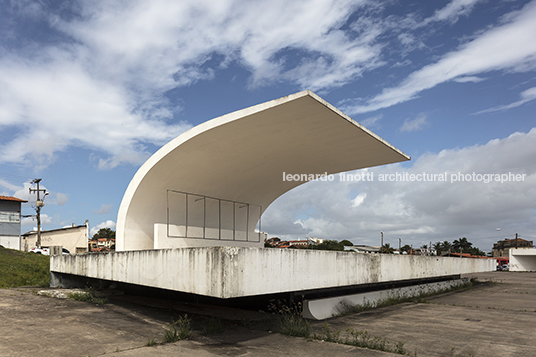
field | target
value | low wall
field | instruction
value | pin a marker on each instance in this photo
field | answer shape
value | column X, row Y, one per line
column 227, row 272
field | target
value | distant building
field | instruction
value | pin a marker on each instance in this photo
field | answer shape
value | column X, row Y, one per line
column 74, row 238
column 315, row 241
column 102, row 244
column 10, row 208
column 502, row 247
column 299, row 243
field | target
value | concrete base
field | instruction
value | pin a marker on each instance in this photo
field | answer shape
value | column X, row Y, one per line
column 320, row 309
column 229, row 272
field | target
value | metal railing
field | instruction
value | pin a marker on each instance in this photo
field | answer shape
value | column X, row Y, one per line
column 191, row 215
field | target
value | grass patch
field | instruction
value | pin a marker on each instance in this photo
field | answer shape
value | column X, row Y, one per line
column 359, row 339
column 23, row 269
column 87, row 296
column 178, row 330
column 289, row 319
column 152, row 342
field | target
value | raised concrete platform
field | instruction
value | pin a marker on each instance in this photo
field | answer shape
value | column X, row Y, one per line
column 229, row 272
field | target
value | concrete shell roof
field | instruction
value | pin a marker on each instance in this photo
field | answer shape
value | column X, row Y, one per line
column 242, row 156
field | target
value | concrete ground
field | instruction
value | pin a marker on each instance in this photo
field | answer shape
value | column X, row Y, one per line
column 492, row 319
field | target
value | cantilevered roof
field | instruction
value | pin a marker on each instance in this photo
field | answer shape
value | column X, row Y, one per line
column 242, row 156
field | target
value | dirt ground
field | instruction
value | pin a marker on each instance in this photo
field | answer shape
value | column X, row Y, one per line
column 495, row 318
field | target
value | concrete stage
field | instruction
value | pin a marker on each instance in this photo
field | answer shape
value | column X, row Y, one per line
column 232, row 272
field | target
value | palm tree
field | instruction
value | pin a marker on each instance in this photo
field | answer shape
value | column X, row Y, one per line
column 446, row 246
column 438, row 248
column 462, row 244
column 387, row 249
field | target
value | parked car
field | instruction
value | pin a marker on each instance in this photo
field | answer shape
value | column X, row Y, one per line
column 46, row 251
column 503, row 267
column 43, row 251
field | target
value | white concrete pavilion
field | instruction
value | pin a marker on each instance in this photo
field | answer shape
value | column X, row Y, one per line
column 188, row 219
column 210, row 185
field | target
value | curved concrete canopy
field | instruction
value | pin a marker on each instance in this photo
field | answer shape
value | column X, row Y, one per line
column 242, row 156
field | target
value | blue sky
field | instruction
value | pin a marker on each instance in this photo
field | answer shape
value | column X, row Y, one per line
column 89, row 90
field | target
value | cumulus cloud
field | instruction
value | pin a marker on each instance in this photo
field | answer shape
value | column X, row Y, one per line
column 107, row 224
column 510, row 46
column 99, row 81
column 61, row 198
column 462, row 205
column 28, row 221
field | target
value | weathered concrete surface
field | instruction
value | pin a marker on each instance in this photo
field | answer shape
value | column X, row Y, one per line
column 34, row 325
column 491, row 320
column 227, row 272
column 495, row 319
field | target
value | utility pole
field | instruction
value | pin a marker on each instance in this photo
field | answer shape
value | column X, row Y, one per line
column 381, row 245
column 38, row 204
column 516, row 240
column 399, row 243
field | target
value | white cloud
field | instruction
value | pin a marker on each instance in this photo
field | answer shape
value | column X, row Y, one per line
column 107, row 224
column 28, row 221
column 414, row 124
column 510, row 46
column 453, row 10
column 104, row 208
column 421, row 211
column 102, row 87
column 359, row 199
column 526, row 96
column 61, row 198
column 372, row 122
column 62, row 106
column 470, row 79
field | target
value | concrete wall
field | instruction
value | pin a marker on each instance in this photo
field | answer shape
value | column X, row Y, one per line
column 227, row 272
column 522, row 260
column 11, row 242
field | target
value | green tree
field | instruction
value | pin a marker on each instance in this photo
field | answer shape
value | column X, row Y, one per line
column 438, row 246
column 446, row 246
column 387, row 249
column 476, row 251
column 462, row 244
column 346, row 243
column 329, row 245
column 104, row 233
column 405, row 248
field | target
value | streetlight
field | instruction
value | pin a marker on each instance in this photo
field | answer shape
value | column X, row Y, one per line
column 381, row 245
